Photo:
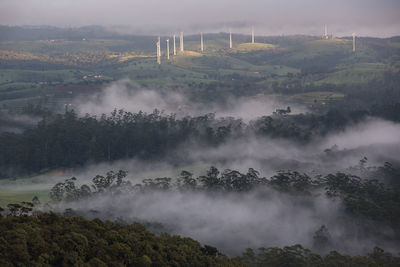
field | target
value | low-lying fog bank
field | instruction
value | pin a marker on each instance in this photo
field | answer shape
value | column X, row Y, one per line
column 235, row 221
column 130, row 97
column 230, row 222
column 376, row 139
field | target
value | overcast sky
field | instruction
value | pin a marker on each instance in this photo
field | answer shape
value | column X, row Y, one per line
column 271, row 17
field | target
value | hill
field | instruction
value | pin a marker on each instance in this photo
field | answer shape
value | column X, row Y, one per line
column 38, row 69
column 52, row 240
column 254, row 47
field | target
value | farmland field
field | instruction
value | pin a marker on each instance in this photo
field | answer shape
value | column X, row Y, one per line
column 35, row 71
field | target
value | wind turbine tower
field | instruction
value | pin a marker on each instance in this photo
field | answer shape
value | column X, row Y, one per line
column 174, row 46
column 181, row 42
column 252, row 34
column 201, row 42
column 326, row 36
column 158, row 51
column 230, row 39
column 168, row 49
column 354, row 42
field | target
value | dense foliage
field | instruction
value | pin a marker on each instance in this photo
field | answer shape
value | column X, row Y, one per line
column 48, row 239
column 52, row 240
column 66, row 140
column 300, row 257
column 368, row 203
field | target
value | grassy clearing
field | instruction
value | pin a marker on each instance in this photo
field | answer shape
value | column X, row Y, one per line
column 247, row 47
column 189, row 54
column 148, row 73
column 44, row 46
column 394, row 44
column 316, row 98
column 24, row 189
column 18, row 91
column 225, row 64
column 19, row 196
column 12, row 75
column 352, row 76
column 21, row 83
column 317, row 48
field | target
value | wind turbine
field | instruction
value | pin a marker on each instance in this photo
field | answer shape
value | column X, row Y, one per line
column 326, row 32
column 168, row 49
column 252, row 34
column 230, row 39
column 201, row 42
column 174, row 46
column 181, row 42
column 158, row 51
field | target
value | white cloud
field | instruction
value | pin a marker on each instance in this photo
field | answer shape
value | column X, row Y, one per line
column 378, row 18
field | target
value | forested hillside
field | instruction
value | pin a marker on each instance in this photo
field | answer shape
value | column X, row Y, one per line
column 66, row 140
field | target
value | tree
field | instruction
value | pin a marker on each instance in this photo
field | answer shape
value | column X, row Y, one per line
column 292, row 181
column 322, row 239
column 186, row 181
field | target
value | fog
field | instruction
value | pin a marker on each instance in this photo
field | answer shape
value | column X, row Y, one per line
column 375, row 138
column 235, row 221
column 130, row 97
column 372, row 132
column 366, row 17
column 16, row 123
column 231, row 222
column 263, row 154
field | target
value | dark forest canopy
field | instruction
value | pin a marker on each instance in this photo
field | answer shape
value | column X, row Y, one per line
column 66, row 140
column 48, row 239
column 52, row 240
column 31, row 237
